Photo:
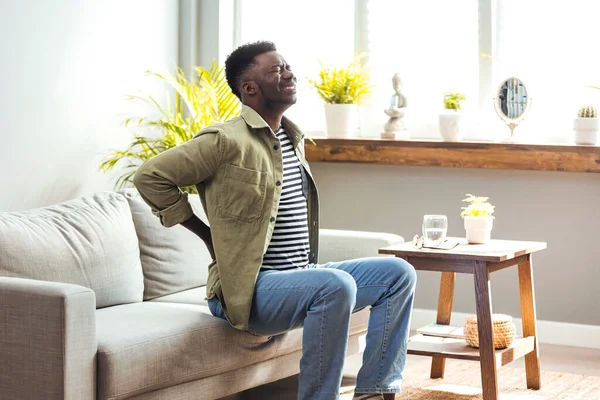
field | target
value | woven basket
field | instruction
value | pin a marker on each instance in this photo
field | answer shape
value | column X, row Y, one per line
column 504, row 331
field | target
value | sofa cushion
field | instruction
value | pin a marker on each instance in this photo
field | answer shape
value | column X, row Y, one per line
column 152, row 345
column 161, row 344
column 190, row 296
column 89, row 241
column 173, row 259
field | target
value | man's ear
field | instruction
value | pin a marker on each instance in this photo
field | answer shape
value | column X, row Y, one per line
column 249, row 88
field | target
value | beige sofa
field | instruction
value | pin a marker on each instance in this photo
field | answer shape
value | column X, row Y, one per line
column 98, row 300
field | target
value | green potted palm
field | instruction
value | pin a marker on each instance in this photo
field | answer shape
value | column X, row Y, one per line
column 196, row 104
column 450, row 118
column 343, row 89
column 478, row 219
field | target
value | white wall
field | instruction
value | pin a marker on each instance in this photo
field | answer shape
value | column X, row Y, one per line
column 560, row 208
column 65, row 71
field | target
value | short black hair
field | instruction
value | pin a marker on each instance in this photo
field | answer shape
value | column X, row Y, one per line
column 241, row 59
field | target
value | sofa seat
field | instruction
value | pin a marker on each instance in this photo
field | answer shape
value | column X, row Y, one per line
column 286, row 343
column 153, row 345
column 191, row 296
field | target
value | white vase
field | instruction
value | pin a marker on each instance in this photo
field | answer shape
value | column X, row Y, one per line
column 341, row 120
column 450, row 125
column 479, row 229
column 586, row 130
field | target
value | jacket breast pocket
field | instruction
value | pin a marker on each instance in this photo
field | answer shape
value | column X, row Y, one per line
column 242, row 195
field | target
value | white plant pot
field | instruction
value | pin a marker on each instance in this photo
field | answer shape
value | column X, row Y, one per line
column 450, row 126
column 479, row 229
column 341, row 120
column 586, row 130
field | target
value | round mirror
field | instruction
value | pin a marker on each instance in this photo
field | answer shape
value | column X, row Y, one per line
column 512, row 98
column 511, row 103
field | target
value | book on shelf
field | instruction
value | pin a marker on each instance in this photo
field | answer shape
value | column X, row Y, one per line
column 448, row 331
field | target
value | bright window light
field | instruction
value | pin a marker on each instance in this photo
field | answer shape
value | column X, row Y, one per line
column 305, row 32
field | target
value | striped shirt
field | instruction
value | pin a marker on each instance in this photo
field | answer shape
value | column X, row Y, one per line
column 289, row 246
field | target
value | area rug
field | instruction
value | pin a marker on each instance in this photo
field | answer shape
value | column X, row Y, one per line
column 463, row 382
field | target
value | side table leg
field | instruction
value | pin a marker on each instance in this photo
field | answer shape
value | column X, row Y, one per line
column 444, row 311
column 532, row 362
column 483, row 298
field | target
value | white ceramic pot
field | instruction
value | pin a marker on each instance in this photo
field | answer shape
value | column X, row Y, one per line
column 586, row 130
column 341, row 120
column 479, row 229
column 450, row 126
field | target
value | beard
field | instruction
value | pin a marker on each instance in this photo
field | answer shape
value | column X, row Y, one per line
column 289, row 101
column 278, row 99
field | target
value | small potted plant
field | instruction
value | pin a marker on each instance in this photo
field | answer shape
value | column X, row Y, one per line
column 478, row 219
column 343, row 90
column 586, row 125
column 450, row 118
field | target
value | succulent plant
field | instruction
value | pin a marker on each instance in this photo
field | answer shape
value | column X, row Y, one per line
column 587, row 112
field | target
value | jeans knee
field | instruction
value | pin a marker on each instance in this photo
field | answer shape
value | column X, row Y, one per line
column 406, row 272
column 341, row 285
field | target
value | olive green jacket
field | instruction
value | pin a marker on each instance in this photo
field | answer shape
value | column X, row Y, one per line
column 238, row 170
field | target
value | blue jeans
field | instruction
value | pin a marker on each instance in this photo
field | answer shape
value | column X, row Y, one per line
column 321, row 298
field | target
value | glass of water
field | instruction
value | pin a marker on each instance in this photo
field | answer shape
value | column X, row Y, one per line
column 435, row 228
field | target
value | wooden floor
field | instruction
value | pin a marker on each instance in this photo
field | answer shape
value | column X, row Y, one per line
column 572, row 360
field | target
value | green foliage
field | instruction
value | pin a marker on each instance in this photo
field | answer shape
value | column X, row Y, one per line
column 587, row 112
column 196, row 105
column 348, row 85
column 452, row 100
column 478, row 207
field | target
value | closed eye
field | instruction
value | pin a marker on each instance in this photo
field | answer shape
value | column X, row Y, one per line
column 280, row 68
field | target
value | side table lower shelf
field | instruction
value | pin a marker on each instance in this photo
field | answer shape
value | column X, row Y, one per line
column 422, row 345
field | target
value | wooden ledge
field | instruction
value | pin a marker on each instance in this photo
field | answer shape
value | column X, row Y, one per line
column 567, row 158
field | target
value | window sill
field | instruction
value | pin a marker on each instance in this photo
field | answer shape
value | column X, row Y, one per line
column 513, row 156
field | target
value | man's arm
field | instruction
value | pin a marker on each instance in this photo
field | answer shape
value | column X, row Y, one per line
column 159, row 178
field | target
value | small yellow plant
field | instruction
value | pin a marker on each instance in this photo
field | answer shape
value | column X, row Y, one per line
column 348, row 85
column 478, row 207
column 452, row 101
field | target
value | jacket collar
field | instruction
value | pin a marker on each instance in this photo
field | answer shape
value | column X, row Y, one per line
column 255, row 121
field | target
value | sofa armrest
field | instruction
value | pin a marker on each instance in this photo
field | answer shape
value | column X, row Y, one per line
column 340, row 245
column 47, row 340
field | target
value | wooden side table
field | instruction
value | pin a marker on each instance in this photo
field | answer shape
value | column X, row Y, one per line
column 479, row 260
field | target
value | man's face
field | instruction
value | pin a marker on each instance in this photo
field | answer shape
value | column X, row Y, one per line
column 275, row 80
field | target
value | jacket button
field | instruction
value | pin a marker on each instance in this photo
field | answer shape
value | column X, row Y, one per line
column 276, row 147
column 272, row 219
column 278, row 183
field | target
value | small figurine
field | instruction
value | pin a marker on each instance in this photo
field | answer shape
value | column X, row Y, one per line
column 395, row 126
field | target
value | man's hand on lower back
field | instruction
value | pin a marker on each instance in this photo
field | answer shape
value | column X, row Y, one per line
column 195, row 225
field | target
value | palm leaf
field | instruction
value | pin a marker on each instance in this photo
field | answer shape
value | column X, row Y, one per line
column 190, row 105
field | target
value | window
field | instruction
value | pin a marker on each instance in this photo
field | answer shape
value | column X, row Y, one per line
column 548, row 48
column 467, row 46
column 433, row 46
column 305, row 32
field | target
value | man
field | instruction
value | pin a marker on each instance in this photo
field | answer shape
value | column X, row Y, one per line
column 263, row 210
